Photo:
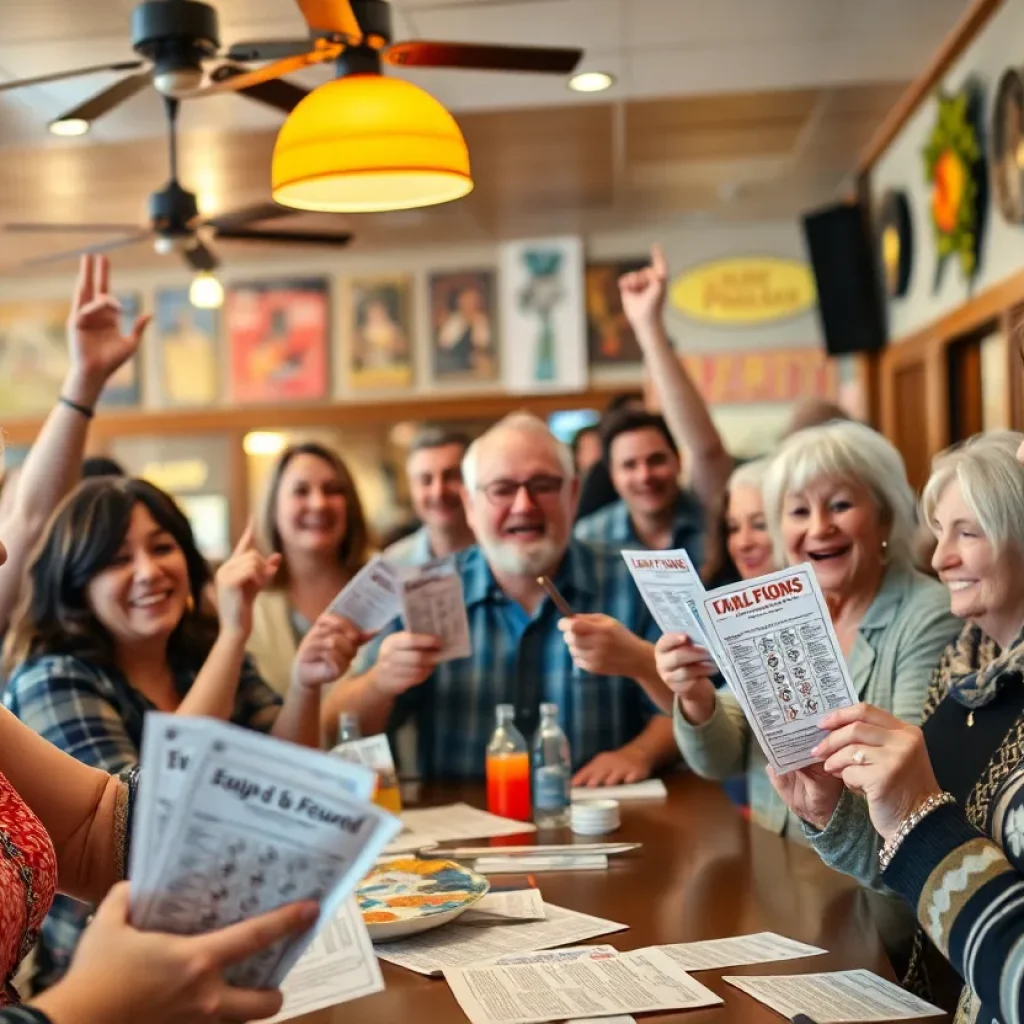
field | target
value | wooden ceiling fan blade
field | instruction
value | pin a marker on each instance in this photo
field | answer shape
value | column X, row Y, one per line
column 60, row 229
column 105, row 101
column 60, row 76
column 337, row 239
column 268, row 49
column 335, row 16
column 255, row 214
column 277, row 93
column 74, row 254
column 246, row 79
column 425, row 53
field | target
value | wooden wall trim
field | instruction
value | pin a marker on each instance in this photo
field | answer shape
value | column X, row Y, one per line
column 162, row 423
column 959, row 38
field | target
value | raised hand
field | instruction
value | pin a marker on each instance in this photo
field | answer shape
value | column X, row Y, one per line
column 643, row 292
column 882, row 757
column 327, row 650
column 96, row 344
column 120, row 975
column 239, row 580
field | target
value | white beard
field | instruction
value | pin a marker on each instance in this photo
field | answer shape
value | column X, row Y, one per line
column 541, row 556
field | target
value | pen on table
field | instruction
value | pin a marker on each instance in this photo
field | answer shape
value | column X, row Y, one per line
column 556, row 598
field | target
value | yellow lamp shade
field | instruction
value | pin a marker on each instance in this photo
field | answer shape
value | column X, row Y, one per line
column 365, row 143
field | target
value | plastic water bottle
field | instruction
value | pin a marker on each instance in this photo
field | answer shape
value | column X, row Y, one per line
column 508, row 768
column 552, row 771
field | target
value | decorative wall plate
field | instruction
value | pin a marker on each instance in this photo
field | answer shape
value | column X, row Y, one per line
column 1006, row 146
column 895, row 242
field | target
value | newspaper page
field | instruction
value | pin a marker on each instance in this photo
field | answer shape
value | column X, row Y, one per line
column 433, row 605
column 513, row 905
column 565, row 983
column 371, row 598
column 252, row 833
column 782, row 660
column 458, row 944
column 714, row 954
column 339, row 966
column 836, row 998
column 671, row 588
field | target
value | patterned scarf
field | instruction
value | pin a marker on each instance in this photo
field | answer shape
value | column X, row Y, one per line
column 978, row 669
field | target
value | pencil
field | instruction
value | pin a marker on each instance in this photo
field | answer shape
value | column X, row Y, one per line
column 552, row 591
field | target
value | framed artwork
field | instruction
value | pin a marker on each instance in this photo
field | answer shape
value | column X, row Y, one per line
column 380, row 333
column 125, row 387
column 33, row 355
column 278, row 338
column 610, row 339
column 463, row 326
column 543, row 315
column 187, row 351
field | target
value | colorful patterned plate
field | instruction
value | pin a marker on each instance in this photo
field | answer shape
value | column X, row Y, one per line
column 405, row 897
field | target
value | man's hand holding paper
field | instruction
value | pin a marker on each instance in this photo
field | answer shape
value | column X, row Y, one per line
column 602, row 645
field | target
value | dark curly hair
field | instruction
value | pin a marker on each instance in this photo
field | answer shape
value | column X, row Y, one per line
column 82, row 540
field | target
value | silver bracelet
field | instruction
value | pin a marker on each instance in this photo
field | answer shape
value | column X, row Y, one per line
column 907, row 825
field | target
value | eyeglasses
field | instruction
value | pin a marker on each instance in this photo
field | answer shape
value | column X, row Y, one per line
column 503, row 493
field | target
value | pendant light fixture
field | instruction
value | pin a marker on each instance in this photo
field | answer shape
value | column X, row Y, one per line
column 364, row 143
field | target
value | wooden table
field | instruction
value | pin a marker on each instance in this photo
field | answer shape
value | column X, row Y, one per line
column 703, row 873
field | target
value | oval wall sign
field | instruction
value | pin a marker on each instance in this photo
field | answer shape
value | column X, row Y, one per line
column 745, row 291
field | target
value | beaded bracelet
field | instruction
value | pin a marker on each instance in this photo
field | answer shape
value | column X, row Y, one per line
column 888, row 851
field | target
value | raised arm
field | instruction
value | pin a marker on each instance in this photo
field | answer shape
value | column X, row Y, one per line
column 97, row 349
column 682, row 405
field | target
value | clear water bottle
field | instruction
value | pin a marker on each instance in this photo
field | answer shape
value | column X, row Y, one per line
column 348, row 727
column 552, row 771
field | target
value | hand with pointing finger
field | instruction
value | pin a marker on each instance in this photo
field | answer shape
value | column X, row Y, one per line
column 120, row 975
column 96, row 344
column 643, row 293
column 238, row 582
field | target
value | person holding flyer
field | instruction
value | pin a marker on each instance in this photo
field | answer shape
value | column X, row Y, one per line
column 935, row 813
column 596, row 664
column 837, row 497
column 116, row 622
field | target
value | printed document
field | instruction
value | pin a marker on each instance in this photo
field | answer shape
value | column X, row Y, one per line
column 651, row 789
column 371, row 598
column 558, row 984
column 257, row 823
column 433, row 605
column 458, row 944
column 515, row 905
column 455, row 822
column 782, row 660
column 671, row 588
column 713, row 954
column 836, row 998
column 339, row 966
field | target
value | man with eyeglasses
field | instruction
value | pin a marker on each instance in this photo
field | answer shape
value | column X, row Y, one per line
column 520, row 492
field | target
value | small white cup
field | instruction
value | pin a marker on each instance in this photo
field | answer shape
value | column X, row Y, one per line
column 594, row 817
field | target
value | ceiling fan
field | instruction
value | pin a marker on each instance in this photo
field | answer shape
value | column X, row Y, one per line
column 176, row 40
column 176, row 226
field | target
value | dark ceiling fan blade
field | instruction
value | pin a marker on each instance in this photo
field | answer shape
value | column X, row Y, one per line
column 119, row 243
column 255, row 214
column 247, row 79
column 105, row 101
column 60, row 229
column 59, row 76
column 422, row 53
column 201, row 257
column 276, row 93
column 268, row 49
column 334, row 16
column 338, row 239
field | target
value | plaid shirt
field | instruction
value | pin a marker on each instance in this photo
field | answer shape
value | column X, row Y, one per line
column 523, row 660
column 95, row 715
column 611, row 527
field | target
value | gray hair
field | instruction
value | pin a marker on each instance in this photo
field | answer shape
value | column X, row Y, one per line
column 750, row 474
column 991, row 481
column 437, row 437
column 521, row 423
column 844, row 450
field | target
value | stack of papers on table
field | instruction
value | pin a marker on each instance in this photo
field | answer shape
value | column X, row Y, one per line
column 231, row 824
column 451, row 824
column 651, row 789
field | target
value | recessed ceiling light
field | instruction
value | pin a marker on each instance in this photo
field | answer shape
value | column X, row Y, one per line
column 70, row 126
column 591, row 81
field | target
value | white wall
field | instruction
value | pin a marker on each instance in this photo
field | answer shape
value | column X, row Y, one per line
column 997, row 47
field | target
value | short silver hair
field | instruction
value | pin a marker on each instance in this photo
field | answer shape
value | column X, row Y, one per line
column 750, row 474
column 844, row 450
column 517, row 423
column 991, row 481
